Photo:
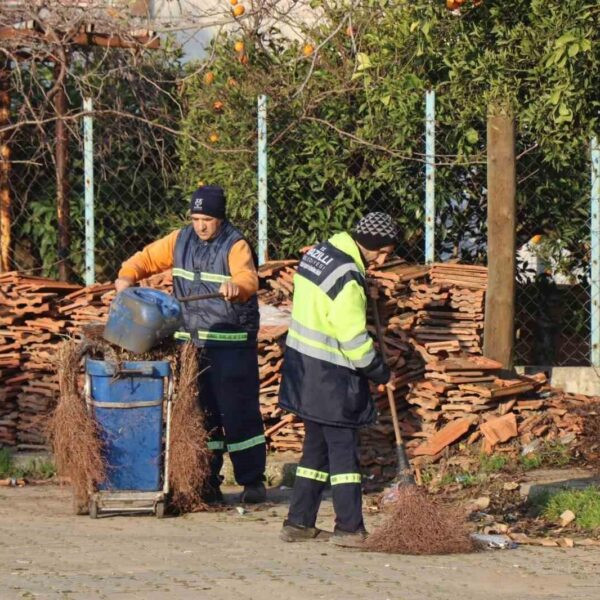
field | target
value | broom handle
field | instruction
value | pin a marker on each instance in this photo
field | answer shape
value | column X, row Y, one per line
column 390, row 393
column 404, row 470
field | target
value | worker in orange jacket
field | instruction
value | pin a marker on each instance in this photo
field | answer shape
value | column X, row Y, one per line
column 207, row 256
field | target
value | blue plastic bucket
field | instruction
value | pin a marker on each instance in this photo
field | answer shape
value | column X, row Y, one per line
column 140, row 317
column 127, row 404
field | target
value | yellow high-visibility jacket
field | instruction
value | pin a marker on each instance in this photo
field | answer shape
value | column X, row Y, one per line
column 329, row 354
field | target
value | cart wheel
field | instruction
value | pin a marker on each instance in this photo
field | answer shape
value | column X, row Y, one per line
column 93, row 509
column 159, row 509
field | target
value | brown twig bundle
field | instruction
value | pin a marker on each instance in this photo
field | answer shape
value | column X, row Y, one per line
column 74, row 434
column 420, row 524
column 189, row 455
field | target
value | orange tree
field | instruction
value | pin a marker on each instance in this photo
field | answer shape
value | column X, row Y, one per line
column 346, row 117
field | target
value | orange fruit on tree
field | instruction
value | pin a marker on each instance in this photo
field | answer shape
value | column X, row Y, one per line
column 218, row 105
column 213, row 137
column 451, row 4
column 239, row 46
column 233, row 2
column 238, row 10
column 231, row 82
column 4, row 151
column 308, row 49
column 209, row 77
column 536, row 239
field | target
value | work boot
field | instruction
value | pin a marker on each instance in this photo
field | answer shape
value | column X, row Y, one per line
column 254, row 493
column 290, row 532
column 349, row 539
column 211, row 494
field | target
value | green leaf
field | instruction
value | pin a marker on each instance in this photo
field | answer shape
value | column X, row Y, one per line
column 573, row 50
column 385, row 100
column 564, row 39
column 555, row 96
column 364, row 62
column 565, row 114
column 471, row 136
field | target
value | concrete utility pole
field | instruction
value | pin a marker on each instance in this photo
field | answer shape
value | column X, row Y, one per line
column 501, row 230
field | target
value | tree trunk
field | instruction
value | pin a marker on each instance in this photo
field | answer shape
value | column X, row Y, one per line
column 5, row 201
column 62, row 183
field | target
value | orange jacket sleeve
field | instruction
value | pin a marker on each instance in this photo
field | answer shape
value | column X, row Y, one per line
column 154, row 258
column 243, row 270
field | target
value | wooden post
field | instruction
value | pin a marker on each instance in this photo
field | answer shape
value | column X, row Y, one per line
column 498, row 341
column 5, row 212
column 62, row 183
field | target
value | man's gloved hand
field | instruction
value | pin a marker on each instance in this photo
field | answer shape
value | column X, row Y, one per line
column 229, row 290
column 122, row 283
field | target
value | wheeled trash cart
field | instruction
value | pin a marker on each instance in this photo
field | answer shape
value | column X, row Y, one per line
column 131, row 403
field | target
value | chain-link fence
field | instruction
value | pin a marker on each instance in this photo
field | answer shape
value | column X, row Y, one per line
column 138, row 197
column 134, row 165
column 134, row 200
column 553, row 305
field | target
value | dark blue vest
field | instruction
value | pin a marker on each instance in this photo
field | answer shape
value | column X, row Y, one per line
column 201, row 267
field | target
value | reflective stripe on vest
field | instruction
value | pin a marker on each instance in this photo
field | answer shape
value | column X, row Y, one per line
column 222, row 336
column 255, row 441
column 217, row 336
column 334, row 345
column 214, row 277
column 345, row 478
column 312, row 334
column 317, row 350
column 332, row 278
column 356, row 342
column 216, row 445
column 191, row 276
column 312, row 474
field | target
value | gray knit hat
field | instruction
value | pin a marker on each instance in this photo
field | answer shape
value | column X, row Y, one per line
column 375, row 230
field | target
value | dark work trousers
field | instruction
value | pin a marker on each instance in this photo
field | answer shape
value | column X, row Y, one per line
column 329, row 453
column 228, row 391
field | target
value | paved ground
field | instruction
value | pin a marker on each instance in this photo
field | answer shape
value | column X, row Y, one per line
column 45, row 552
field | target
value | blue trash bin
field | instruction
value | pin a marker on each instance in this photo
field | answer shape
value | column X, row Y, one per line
column 127, row 402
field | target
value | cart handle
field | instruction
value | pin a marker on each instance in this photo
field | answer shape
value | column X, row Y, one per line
column 136, row 371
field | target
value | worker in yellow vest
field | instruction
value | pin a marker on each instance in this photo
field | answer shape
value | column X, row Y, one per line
column 328, row 362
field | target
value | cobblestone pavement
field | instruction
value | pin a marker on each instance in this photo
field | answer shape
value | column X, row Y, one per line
column 45, row 552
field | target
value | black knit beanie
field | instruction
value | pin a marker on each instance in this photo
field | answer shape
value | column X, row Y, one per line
column 375, row 230
column 208, row 200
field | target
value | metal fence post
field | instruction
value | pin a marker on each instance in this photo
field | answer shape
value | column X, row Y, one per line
column 595, row 251
column 88, row 174
column 262, row 179
column 429, row 176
